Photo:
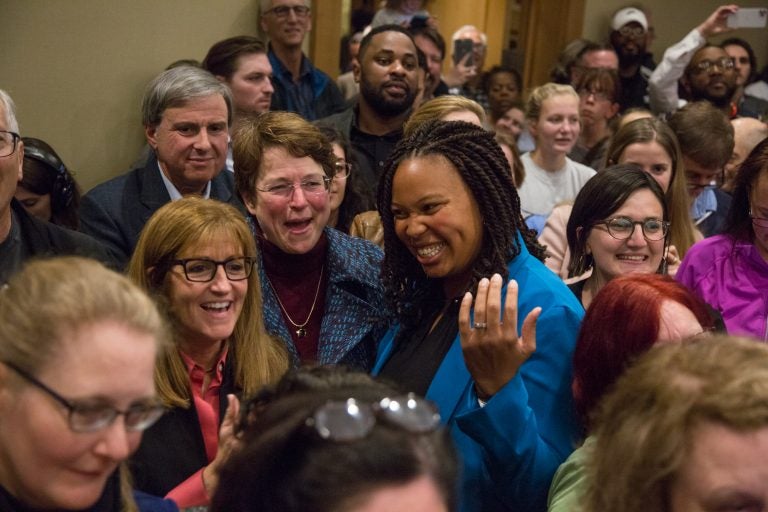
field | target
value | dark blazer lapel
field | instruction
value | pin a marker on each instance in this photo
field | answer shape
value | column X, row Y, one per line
column 152, row 191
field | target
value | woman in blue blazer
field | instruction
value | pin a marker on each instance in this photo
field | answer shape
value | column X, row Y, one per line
column 451, row 219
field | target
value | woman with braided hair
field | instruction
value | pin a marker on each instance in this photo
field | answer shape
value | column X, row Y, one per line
column 453, row 228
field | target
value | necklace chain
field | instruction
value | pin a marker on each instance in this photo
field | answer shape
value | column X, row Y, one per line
column 300, row 330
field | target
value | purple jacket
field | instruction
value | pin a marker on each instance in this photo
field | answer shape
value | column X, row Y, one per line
column 732, row 277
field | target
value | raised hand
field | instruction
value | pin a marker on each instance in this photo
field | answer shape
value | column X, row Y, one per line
column 493, row 351
column 460, row 73
column 228, row 443
column 717, row 22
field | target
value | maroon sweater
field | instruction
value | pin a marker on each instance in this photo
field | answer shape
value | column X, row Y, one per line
column 294, row 279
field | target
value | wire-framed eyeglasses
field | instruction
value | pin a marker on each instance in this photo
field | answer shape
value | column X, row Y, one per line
column 90, row 417
column 342, row 169
column 9, row 141
column 312, row 186
column 203, row 270
column 351, row 420
column 622, row 228
column 706, row 65
column 283, row 11
column 630, row 31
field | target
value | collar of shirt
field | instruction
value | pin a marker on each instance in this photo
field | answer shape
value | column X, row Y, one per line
column 174, row 192
column 282, row 73
column 197, row 373
column 704, row 203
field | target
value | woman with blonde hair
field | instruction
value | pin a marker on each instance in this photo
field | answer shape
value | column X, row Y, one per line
column 446, row 108
column 196, row 256
column 651, row 145
column 78, row 346
column 685, row 428
column 552, row 112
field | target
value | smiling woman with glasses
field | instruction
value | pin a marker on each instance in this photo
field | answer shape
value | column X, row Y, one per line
column 348, row 194
column 730, row 271
column 618, row 226
column 321, row 288
column 196, row 256
column 78, row 346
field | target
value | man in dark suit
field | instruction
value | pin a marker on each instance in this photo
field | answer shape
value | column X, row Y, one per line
column 186, row 114
column 23, row 236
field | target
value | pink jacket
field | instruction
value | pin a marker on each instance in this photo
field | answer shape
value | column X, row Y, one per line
column 732, row 277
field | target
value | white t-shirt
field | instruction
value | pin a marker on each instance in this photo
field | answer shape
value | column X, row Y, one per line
column 542, row 190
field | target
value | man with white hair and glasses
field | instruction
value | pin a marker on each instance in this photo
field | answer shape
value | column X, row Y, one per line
column 22, row 236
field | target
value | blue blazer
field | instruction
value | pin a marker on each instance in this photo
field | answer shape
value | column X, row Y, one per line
column 512, row 447
column 115, row 212
column 355, row 316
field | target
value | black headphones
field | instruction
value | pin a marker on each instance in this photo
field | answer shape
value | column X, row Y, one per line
column 64, row 186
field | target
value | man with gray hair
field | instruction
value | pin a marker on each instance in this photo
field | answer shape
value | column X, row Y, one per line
column 23, row 236
column 465, row 77
column 186, row 114
column 299, row 86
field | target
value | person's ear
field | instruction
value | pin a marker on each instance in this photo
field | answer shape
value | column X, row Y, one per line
column 151, row 133
column 685, row 82
column 613, row 110
column 250, row 204
column 532, row 128
column 20, row 163
column 579, row 231
column 356, row 70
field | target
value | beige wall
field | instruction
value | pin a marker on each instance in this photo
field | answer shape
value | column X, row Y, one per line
column 672, row 20
column 77, row 68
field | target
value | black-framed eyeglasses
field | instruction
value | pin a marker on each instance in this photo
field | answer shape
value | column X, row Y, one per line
column 760, row 222
column 283, row 11
column 351, row 420
column 342, row 169
column 90, row 417
column 622, row 228
column 630, row 31
column 203, row 270
column 312, row 186
column 9, row 141
column 707, row 66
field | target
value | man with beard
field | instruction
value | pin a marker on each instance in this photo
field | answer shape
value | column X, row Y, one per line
column 629, row 39
column 386, row 70
column 705, row 72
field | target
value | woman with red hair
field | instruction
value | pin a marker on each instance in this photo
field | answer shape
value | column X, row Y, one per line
column 626, row 318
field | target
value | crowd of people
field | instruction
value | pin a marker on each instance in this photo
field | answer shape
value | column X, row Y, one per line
column 423, row 293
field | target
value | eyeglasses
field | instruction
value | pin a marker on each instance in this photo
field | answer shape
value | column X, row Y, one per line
column 350, row 420
column 707, row 66
column 343, row 169
column 203, row 270
column 8, row 142
column 622, row 228
column 312, row 186
column 283, row 11
column 90, row 417
column 629, row 31
column 760, row 222
column 598, row 95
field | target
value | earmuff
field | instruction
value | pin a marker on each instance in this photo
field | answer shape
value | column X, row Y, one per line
column 63, row 189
